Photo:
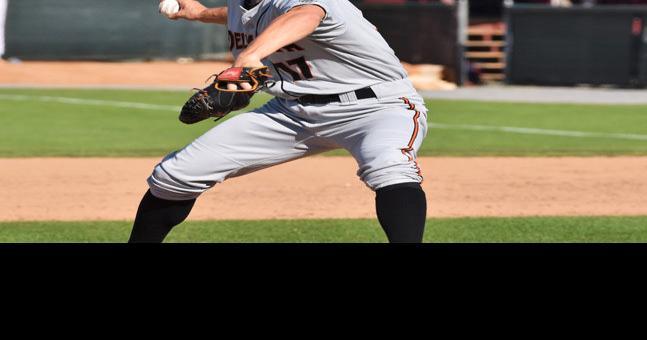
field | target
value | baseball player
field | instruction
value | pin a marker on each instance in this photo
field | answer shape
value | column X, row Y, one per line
column 337, row 84
column 3, row 18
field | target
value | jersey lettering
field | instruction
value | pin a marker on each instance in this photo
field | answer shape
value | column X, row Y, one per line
column 283, row 67
column 302, row 66
column 239, row 40
column 290, row 48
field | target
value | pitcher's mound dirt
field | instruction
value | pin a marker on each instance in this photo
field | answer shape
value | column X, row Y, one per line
column 326, row 187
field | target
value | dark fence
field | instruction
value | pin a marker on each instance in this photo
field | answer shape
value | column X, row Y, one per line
column 421, row 33
column 105, row 30
column 127, row 29
column 568, row 46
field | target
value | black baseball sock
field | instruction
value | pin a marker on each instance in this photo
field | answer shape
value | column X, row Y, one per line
column 402, row 210
column 156, row 217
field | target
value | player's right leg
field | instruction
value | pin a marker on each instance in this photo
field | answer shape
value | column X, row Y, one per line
column 385, row 144
column 243, row 144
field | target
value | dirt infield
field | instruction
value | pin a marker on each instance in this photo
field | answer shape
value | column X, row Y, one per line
column 96, row 74
column 151, row 75
column 320, row 187
column 326, row 187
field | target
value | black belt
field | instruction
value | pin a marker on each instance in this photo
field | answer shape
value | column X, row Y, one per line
column 312, row 99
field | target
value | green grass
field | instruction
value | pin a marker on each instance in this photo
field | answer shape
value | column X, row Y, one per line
column 627, row 119
column 479, row 230
column 29, row 129
column 55, row 129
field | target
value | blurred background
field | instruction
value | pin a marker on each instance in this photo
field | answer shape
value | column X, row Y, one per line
column 442, row 42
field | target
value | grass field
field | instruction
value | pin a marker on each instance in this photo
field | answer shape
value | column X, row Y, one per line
column 104, row 123
column 100, row 123
column 562, row 229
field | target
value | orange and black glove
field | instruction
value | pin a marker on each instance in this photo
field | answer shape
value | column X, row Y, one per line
column 216, row 100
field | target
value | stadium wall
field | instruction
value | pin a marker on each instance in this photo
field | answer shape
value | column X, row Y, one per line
column 134, row 30
column 604, row 45
column 106, row 30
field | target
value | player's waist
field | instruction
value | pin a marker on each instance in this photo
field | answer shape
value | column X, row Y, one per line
column 380, row 90
column 314, row 99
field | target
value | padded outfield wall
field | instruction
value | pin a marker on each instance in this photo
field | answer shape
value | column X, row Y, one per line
column 134, row 30
column 604, row 45
column 106, row 30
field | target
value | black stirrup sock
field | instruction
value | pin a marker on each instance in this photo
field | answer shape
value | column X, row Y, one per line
column 402, row 211
column 156, row 217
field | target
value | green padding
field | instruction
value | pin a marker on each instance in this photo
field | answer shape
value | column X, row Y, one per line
column 570, row 46
column 105, row 30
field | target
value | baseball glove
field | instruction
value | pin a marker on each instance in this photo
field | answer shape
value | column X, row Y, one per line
column 216, row 101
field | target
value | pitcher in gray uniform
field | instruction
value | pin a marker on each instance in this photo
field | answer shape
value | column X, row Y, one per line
column 338, row 85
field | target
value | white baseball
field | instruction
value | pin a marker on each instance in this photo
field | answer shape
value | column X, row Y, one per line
column 168, row 7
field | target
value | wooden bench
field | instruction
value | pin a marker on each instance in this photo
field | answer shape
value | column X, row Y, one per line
column 485, row 50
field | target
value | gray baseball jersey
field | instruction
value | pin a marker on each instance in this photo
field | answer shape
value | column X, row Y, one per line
column 345, row 53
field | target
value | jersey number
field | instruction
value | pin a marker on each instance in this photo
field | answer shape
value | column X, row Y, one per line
column 300, row 64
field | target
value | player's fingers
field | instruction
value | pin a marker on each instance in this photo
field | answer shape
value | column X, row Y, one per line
column 178, row 15
column 232, row 87
column 246, row 86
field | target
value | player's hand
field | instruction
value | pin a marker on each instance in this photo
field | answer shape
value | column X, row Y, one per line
column 245, row 60
column 189, row 10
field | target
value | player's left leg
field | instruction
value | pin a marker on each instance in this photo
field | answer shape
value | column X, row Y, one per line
column 385, row 143
column 245, row 143
column 402, row 212
column 156, row 217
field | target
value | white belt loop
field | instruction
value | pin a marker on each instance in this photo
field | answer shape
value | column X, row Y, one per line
column 348, row 97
